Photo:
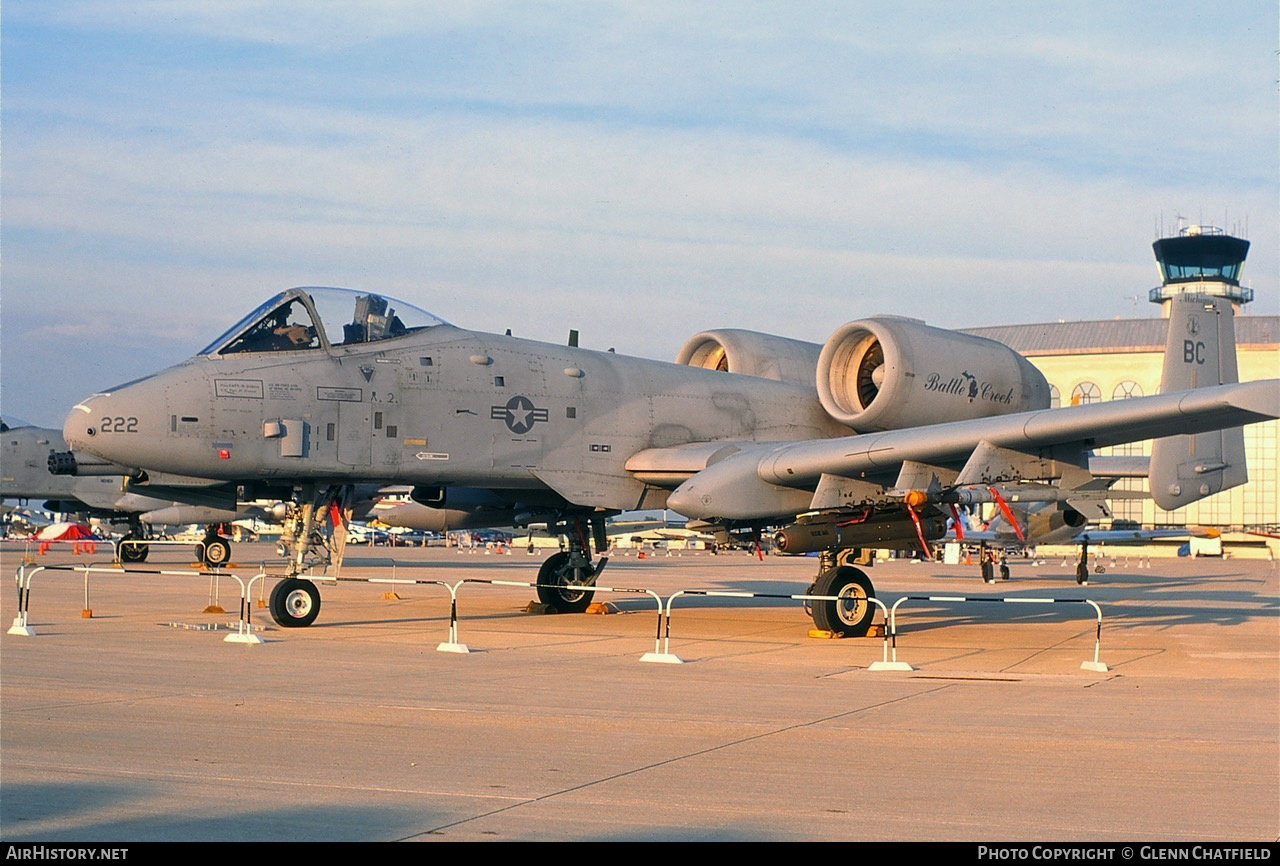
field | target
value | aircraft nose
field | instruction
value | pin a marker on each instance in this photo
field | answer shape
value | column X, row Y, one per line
column 112, row 424
column 79, row 429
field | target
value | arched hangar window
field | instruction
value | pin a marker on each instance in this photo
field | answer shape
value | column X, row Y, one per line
column 1085, row 392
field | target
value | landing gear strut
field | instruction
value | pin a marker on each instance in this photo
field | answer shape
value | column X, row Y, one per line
column 851, row 616
column 564, row 577
column 295, row 601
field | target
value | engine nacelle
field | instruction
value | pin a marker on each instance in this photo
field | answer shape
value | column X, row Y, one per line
column 752, row 354
column 889, row 373
column 1055, row 523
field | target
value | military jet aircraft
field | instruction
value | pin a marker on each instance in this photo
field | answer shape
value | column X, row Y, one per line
column 862, row 443
column 1025, row 527
column 100, row 489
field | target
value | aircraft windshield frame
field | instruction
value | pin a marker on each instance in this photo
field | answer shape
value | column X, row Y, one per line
column 304, row 319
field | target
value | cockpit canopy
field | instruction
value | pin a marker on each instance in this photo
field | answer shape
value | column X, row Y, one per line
column 311, row 318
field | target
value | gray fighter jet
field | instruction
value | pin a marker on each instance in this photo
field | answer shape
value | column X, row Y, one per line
column 863, row 442
column 99, row 489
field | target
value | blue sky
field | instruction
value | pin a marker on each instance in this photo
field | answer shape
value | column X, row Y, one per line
column 638, row 171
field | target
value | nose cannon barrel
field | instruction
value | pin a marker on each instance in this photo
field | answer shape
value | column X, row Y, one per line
column 82, row 464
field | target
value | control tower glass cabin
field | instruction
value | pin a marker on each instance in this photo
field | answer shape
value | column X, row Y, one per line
column 1201, row 260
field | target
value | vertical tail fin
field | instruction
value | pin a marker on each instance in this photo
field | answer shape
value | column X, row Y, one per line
column 1200, row 352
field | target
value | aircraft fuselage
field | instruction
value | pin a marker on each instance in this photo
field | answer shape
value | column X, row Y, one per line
column 442, row 406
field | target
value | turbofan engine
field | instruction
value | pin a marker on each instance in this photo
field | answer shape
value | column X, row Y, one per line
column 751, row 353
column 889, row 373
column 1053, row 523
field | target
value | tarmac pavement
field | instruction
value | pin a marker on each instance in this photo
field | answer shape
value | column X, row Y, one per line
column 141, row 724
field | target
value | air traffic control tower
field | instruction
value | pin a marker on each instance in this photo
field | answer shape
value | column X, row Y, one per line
column 1200, row 260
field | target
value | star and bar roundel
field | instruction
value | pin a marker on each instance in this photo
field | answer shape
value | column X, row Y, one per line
column 519, row 414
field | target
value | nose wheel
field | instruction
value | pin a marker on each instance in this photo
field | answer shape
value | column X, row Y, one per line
column 294, row 603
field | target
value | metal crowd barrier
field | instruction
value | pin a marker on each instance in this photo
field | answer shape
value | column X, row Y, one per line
column 662, row 641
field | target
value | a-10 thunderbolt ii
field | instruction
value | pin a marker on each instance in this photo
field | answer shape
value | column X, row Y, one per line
column 863, row 442
column 98, row 489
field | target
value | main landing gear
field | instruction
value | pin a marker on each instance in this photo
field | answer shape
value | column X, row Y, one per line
column 214, row 550
column 852, row 614
column 1082, row 567
column 564, row 578
column 988, row 560
column 133, row 546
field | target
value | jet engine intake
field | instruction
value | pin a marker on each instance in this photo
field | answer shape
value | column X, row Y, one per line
column 751, row 353
column 889, row 373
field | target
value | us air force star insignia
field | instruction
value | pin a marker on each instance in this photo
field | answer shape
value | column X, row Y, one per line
column 519, row 414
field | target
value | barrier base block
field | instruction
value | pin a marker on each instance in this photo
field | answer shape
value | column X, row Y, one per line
column 662, row 658
column 890, row 666
column 20, row 629
column 237, row 637
column 1096, row 667
column 447, row 647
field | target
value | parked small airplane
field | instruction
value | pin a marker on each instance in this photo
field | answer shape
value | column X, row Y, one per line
column 868, row 441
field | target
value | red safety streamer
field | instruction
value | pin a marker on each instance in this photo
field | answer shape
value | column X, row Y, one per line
column 955, row 521
column 1008, row 515
column 924, row 545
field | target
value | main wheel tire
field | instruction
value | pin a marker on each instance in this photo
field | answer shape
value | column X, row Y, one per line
column 850, row 618
column 133, row 550
column 1082, row 575
column 560, row 589
column 988, row 572
column 294, row 603
column 214, row 551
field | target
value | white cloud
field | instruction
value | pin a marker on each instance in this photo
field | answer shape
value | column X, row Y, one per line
column 780, row 167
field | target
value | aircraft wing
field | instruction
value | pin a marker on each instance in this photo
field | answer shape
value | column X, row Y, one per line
column 1136, row 536
column 1093, row 536
column 766, row 481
